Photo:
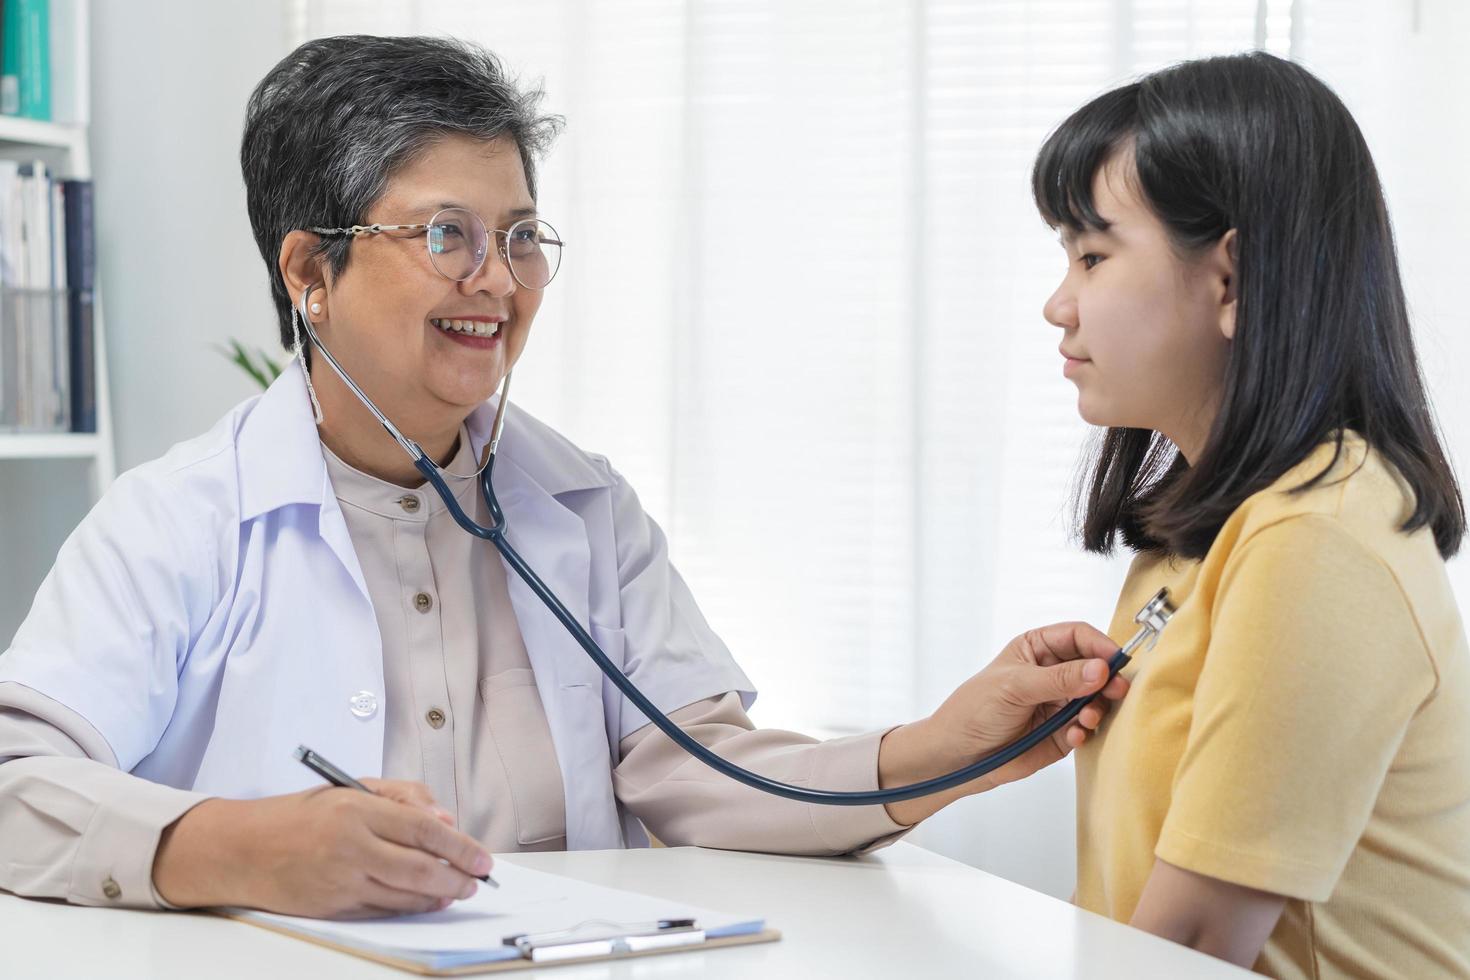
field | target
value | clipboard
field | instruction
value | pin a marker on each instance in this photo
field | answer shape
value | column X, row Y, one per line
column 534, row 920
column 503, row 966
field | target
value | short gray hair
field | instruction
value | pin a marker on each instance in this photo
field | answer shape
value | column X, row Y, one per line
column 329, row 126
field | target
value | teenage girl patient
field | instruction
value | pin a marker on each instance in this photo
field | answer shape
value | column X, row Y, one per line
column 1288, row 784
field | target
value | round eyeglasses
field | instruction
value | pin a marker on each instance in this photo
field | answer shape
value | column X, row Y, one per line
column 458, row 242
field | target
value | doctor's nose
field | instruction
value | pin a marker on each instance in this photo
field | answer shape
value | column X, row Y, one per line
column 493, row 276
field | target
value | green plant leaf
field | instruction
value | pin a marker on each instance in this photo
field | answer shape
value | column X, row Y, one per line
column 272, row 368
column 240, row 355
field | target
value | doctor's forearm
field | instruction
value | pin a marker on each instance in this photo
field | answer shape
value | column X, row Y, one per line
column 915, row 752
column 682, row 801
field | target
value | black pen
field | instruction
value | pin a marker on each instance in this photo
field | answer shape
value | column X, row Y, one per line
column 337, row 777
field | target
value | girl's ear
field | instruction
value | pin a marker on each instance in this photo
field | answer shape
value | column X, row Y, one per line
column 1225, row 261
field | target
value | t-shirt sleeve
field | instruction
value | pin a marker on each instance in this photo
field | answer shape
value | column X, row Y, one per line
column 1314, row 669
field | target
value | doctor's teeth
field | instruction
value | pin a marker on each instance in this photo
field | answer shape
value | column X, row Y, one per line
column 477, row 328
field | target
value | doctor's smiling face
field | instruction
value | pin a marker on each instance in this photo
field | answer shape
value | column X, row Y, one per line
column 393, row 316
column 426, row 348
column 1146, row 328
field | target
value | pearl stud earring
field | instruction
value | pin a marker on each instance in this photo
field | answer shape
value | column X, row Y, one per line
column 316, row 307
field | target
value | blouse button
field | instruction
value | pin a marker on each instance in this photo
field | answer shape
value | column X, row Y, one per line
column 423, row 602
column 435, row 718
column 409, row 503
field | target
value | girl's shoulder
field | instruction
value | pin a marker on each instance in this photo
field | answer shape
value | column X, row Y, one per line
column 1343, row 481
column 1338, row 514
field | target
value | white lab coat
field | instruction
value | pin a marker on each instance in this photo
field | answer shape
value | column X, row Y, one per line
column 209, row 615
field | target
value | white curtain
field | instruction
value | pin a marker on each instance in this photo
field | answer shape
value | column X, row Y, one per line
column 801, row 310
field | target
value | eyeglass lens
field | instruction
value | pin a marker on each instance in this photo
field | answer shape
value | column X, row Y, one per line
column 458, row 242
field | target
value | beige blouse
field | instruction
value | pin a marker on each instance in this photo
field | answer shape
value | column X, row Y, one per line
column 462, row 715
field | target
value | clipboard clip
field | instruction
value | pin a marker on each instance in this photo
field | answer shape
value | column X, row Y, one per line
column 626, row 937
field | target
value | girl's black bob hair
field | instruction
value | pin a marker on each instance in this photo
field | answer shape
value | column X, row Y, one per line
column 1322, row 339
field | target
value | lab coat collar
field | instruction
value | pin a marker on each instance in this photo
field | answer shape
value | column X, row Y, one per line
column 280, row 454
column 525, row 443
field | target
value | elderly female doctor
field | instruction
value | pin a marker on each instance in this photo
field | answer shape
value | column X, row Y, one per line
column 286, row 578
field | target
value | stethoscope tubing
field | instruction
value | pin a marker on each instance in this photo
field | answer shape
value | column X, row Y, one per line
column 495, row 534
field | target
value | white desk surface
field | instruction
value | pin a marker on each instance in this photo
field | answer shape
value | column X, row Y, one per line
column 900, row 912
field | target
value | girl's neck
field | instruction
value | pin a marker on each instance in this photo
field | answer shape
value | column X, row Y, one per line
column 1190, row 430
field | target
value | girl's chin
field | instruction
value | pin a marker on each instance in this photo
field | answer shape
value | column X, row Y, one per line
column 1093, row 413
column 1085, row 410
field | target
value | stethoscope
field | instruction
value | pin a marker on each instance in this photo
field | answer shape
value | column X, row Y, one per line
column 1152, row 619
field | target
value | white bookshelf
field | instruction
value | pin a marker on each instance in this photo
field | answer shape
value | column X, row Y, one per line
column 34, row 133
column 41, row 499
column 46, row 445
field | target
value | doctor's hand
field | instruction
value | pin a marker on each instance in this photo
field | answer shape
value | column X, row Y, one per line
column 1029, row 681
column 325, row 853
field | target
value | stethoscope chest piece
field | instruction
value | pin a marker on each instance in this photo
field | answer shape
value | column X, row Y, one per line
column 1151, row 620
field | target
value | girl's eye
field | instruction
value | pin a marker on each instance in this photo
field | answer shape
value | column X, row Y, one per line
column 1090, row 259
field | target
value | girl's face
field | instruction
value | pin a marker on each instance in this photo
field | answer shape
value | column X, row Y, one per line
column 384, row 313
column 1146, row 333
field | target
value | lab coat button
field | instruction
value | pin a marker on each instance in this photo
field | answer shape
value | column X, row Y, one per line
column 423, row 602
column 111, row 889
column 409, row 503
column 364, row 704
column 435, row 718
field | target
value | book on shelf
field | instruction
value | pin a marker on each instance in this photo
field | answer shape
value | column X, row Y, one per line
column 25, row 58
column 43, row 67
column 35, row 58
column 10, row 58
column 70, row 66
column 47, row 277
column 80, row 266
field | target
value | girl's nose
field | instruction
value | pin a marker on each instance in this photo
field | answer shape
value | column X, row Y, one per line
column 1061, row 309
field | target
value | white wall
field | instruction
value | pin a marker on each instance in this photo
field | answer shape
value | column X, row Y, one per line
column 1400, row 67
column 179, row 269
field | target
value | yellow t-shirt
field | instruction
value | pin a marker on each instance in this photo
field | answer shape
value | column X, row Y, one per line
column 1302, row 727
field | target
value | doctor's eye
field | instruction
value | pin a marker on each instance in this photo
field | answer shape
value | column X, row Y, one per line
column 445, row 237
column 524, row 241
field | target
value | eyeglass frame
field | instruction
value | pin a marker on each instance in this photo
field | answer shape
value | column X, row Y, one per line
column 501, row 246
